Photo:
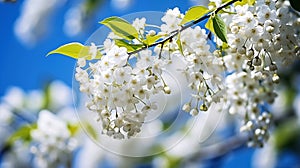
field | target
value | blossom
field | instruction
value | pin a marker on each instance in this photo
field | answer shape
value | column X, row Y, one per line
column 52, row 139
column 241, row 75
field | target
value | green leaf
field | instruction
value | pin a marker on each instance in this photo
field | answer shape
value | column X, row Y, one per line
column 73, row 128
column 220, row 28
column 209, row 25
column 91, row 131
column 23, row 133
column 75, row 50
column 178, row 42
column 286, row 135
column 130, row 47
column 120, row 27
column 152, row 39
column 224, row 46
column 194, row 13
column 244, row 2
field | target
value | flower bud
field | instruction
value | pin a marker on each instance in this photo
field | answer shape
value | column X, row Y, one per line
column 272, row 67
column 152, row 32
column 194, row 112
column 256, row 61
column 167, row 90
column 270, row 29
column 250, row 53
column 186, row 107
column 275, row 78
column 203, row 107
column 242, row 50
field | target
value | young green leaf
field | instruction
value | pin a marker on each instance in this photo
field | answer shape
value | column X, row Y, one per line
column 178, row 42
column 209, row 25
column 152, row 39
column 194, row 13
column 73, row 128
column 90, row 130
column 220, row 28
column 23, row 133
column 120, row 27
column 130, row 47
column 244, row 2
column 75, row 50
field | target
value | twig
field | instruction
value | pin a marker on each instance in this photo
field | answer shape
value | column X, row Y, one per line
column 217, row 150
column 189, row 24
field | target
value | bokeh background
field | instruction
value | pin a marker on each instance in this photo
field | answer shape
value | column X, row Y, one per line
column 29, row 29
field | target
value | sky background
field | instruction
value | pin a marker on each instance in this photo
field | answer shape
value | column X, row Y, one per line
column 29, row 68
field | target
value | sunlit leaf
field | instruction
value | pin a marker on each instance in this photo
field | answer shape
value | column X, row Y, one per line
column 209, row 25
column 225, row 46
column 75, row 50
column 178, row 42
column 73, row 128
column 120, row 27
column 220, row 28
column 130, row 47
column 244, row 2
column 152, row 39
column 194, row 13
column 23, row 133
column 91, row 131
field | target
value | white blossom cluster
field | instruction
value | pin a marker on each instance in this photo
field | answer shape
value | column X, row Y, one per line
column 261, row 38
column 241, row 74
column 52, row 141
column 119, row 92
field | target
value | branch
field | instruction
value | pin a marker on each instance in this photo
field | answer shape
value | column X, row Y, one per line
column 190, row 24
column 217, row 150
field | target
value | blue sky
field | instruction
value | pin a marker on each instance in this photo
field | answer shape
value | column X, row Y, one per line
column 27, row 67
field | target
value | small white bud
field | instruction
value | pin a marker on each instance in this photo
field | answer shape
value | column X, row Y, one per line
column 275, row 78
column 167, row 90
column 186, row 107
column 272, row 67
column 194, row 112
column 81, row 62
column 242, row 50
column 152, row 32
column 256, row 61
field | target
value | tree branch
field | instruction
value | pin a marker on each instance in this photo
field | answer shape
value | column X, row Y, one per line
column 217, row 150
column 189, row 24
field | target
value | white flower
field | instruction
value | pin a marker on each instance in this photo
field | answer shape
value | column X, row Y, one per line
column 93, row 51
column 14, row 97
column 139, row 24
column 265, row 13
column 172, row 19
column 81, row 62
column 117, row 55
column 52, row 140
column 122, row 74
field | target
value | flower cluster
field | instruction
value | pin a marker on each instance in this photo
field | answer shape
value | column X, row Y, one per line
column 241, row 73
column 260, row 39
column 204, row 70
column 52, row 141
column 119, row 92
column 31, row 133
